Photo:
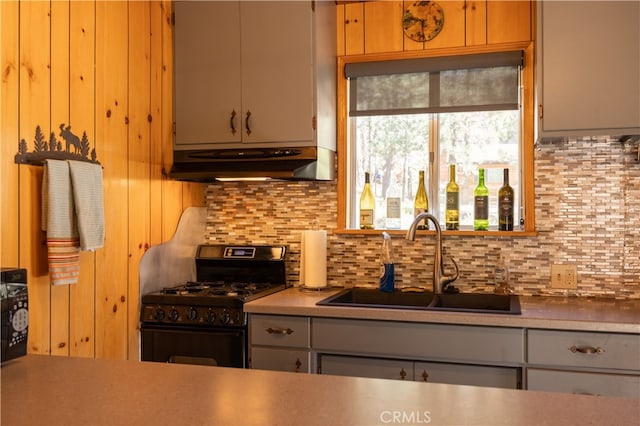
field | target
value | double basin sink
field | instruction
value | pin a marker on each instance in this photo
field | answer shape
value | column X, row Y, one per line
column 422, row 300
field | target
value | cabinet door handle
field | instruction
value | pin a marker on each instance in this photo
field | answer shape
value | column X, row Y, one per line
column 586, row 349
column 298, row 365
column 279, row 330
column 425, row 376
column 232, row 122
column 403, row 374
column 247, row 124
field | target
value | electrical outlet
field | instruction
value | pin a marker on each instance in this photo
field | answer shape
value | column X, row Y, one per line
column 564, row 276
column 571, row 276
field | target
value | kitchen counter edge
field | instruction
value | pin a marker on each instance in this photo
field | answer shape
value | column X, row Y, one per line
column 53, row 390
column 560, row 313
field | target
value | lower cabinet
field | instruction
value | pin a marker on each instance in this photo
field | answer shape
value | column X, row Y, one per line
column 357, row 366
column 465, row 374
column 279, row 342
column 596, row 363
column 437, row 353
column 584, row 362
column 580, row 382
column 292, row 360
column 431, row 372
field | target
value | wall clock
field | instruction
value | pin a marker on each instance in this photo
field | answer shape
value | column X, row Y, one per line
column 423, row 20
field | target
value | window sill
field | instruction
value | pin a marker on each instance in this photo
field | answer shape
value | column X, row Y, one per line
column 462, row 233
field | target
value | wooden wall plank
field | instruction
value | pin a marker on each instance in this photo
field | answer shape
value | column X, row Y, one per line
column 172, row 191
column 9, row 95
column 86, row 86
column 354, row 28
column 82, row 321
column 382, row 26
column 476, row 23
column 157, row 97
column 139, row 154
column 111, row 133
column 34, row 111
column 340, row 40
column 453, row 31
column 508, row 21
column 60, row 114
column 193, row 195
column 407, row 42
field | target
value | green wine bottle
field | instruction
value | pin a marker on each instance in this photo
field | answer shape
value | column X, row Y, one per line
column 505, row 204
column 481, row 205
column 452, row 213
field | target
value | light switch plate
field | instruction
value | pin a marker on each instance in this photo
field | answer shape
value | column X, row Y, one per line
column 564, row 276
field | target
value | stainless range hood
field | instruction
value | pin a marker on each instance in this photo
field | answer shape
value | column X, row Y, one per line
column 298, row 163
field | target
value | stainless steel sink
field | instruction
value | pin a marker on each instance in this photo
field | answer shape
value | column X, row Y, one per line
column 455, row 302
column 374, row 298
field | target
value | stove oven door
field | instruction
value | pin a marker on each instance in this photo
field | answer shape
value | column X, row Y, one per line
column 223, row 347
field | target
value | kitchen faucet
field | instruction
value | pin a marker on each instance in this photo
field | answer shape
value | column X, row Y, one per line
column 440, row 281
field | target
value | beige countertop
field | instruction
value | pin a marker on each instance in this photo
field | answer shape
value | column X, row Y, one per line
column 49, row 390
column 563, row 313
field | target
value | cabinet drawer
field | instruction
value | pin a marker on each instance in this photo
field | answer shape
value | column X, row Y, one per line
column 476, row 344
column 280, row 359
column 279, row 330
column 619, row 385
column 366, row 367
column 584, row 349
column 464, row 374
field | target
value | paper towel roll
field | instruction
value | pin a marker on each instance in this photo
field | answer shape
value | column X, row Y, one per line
column 313, row 259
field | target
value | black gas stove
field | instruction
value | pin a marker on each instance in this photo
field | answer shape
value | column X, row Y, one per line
column 203, row 321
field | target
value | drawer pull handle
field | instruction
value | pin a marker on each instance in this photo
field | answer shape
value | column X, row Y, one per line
column 279, row 330
column 247, row 123
column 586, row 350
column 232, row 122
column 425, row 376
column 298, row 365
column 403, row 374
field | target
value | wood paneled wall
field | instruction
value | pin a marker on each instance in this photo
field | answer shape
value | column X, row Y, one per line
column 104, row 68
column 376, row 26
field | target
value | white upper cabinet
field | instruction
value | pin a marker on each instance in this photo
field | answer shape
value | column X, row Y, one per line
column 588, row 73
column 248, row 72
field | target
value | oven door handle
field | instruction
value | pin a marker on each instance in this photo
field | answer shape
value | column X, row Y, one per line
column 279, row 330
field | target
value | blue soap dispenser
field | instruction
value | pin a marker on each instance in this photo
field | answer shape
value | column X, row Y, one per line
column 387, row 280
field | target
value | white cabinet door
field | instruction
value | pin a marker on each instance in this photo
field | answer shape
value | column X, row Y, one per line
column 355, row 366
column 619, row 385
column 584, row 349
column 588, row 80
column 207, row 75
column 277, row 71
column 464, row 374
column 279, row 330
column 278, row 359
column 244, row 72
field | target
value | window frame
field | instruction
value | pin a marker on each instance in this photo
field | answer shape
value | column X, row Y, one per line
column 345, row 157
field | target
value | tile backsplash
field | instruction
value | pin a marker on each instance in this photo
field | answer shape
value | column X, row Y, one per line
column 587, row 213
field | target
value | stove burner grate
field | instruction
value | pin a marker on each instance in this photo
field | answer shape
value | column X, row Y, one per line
column 217, row 289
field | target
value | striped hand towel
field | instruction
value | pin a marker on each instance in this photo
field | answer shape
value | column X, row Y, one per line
column 59, row 220
column 86, row 183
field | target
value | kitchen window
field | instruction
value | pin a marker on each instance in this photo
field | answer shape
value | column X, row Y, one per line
column 425, row 113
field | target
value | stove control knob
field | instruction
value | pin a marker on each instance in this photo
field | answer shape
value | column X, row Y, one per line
column 158, row 314
column 192, row 314
column 174, row 315
column 226, row 317
column 211, row 317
